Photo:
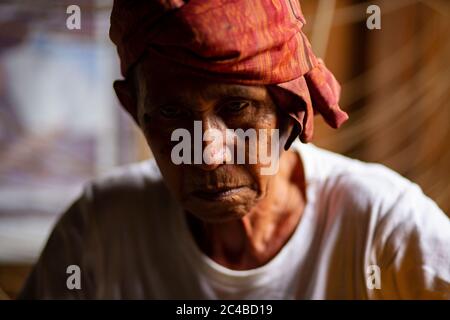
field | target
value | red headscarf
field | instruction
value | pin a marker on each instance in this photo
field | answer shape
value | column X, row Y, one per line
column 254, row 42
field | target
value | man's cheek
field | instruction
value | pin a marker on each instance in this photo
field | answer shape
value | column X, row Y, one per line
column 159, row 143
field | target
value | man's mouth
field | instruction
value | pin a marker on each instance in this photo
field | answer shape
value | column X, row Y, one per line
column 217, row 193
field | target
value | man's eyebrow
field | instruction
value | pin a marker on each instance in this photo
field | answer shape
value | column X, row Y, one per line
column 234, row 91
column 241, row 91
column 155, row 100
column 173, row 101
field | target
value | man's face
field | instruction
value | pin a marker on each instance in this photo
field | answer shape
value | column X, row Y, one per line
column 170, row 99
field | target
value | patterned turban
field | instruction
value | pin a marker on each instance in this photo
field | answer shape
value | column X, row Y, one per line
column 250, row 42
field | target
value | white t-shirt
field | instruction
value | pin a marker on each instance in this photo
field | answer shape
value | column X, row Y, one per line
column 366, row 233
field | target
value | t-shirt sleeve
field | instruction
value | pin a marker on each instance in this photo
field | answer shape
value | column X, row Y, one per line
column 415, row 260
column 55, row 274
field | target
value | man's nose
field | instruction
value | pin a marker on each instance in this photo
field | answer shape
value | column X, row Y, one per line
column 213, row 147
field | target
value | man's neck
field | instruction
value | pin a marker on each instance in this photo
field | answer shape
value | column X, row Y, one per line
column 257, row 237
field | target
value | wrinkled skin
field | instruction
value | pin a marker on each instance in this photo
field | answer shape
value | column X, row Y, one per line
column 239, row 217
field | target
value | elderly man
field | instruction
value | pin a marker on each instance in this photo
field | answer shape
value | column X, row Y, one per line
column 196, row 222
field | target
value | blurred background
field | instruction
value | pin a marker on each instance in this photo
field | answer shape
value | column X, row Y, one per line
column 61, row 124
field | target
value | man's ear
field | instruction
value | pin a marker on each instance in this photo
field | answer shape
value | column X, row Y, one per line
column 127, row 97
column 294, row 134
column 292, row 108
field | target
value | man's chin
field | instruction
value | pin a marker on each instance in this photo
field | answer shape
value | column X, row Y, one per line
column 213, row 211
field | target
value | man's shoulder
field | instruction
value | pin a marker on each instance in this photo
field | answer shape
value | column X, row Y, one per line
column 370, row 195
column 361, row 183
column 125, row 190
column 367, row 190
column 134, row 176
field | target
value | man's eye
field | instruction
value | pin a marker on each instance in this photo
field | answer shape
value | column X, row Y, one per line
column 171, row 112
column 236, row 106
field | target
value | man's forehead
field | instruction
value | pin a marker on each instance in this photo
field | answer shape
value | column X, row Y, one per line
column 179, row 84
column 208, row 92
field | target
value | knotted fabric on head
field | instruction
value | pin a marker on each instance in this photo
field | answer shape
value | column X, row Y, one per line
column 250, row 42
